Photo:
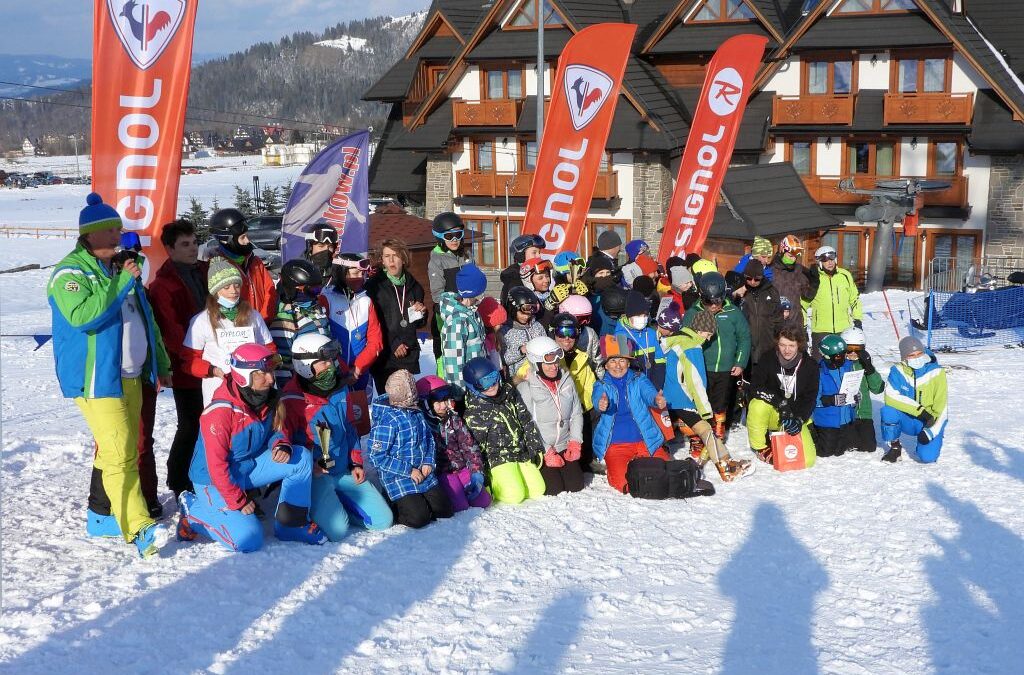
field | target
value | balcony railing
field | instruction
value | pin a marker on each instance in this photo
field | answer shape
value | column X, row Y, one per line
column 928, row 108
column 825, row 190
column 492, row 184
column 496, row 112
column 813, row 109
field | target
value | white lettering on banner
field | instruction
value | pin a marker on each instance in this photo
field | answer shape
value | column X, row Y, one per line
column 565, row 178
column 136, row 209
column 699, row 182
column 337, row 206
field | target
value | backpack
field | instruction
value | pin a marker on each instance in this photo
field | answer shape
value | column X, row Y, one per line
column 653, row 478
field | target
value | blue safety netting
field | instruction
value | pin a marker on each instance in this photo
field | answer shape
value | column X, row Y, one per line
column 961, row 321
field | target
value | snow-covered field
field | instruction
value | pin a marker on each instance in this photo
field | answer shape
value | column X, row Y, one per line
column 850, row 567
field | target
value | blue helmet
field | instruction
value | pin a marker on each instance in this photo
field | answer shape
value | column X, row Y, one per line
column 480, row 374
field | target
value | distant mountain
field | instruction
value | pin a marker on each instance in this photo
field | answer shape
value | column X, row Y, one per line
column 41, row 70
column 309, row 77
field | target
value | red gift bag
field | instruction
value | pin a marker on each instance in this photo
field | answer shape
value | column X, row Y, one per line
column 359, row 412
column 787, row 452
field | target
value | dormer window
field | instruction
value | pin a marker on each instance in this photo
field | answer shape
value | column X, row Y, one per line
column 875, row 6
column 721, row 11
column 526, row 16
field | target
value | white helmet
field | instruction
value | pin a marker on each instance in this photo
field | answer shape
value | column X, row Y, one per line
column 854, row 336
column 309, row 348
column 540, row 349
column 825, row 251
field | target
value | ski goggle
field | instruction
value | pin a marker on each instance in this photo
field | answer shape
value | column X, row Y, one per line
column 537, row 268
column 363, row 264
column 566, row 331
column 324, row 235
column 489, row 380
column 831, row 255
column 528, row 308
column 450, row 235
column 267, row 364
column 853, row 349
column 311, row 291
column 440, row 394
column 554, row 357
column 327, row 352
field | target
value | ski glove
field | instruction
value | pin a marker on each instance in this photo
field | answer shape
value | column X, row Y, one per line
column 857, row 323
column 553, row 459
column 792, row 425
column 923, row 438
column 573, row 452
column 475, row 487
column 833, row 400
column 767, row 397
column 865, row 361
column 926, row 417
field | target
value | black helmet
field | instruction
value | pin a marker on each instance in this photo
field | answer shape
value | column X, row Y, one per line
column 295, row 274
column 446, row 222
column 517, row 249
column 564, row 325
column 322, row 233
column 613, row 301
column 712, row 287
column 227, row 225
column 519, row 296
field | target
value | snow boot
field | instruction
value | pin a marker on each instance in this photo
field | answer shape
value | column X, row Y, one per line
column 150, row 539
column 188, row 528
column 307, row 534
column 101, row 526
column 894, row 452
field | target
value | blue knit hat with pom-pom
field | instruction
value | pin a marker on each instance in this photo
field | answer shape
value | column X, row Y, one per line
column 97, row 216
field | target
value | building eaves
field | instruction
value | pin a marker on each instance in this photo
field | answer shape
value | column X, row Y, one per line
column 519, row 44
column 463, row 15
column 1002, row 23
column 706, row 38
column 394, row 85
column 993, row 130
column 585, row 13
column 660, row 100
column 648, row 15
column 905, row 30
column 771, row 200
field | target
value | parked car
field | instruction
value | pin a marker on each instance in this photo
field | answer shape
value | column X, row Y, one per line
column 265, row 231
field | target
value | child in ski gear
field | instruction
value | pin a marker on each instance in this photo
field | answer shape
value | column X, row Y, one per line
column 686, row 388
column 402, row 450
column 298, row 313
column 915, row 402
column 549, row 393
column 106, row 344
column 321, row 247
column 609, row 304
column 462, row 332
column 833, row 413
column 229, row 235
column 446, row 259
column 647, row 356
column 522, row 248
column 863, row 425
column 227, row 322
column 623, row 397
column 761, row 251
column 316, row 417
column 459, row 464
column 835, row 301
column 566, row 332
column 352, row 317
column 784, row 390
column 536, row 275
column 587, row 341
column 509, row 440
column 726, row 354
column 493, row 315
column 605, row 256
column 631, row 270
column 241, row 446
column 684, row 291
column 521, row 327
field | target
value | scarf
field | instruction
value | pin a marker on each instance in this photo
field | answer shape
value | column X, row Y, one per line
column 397, row 281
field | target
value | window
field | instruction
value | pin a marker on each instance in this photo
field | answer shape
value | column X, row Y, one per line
column 943, row 158
column 829, row 76
column 436, row 73
column 483, row 155
column 722, row 11
column 922, row 72
column 849, row 246
column 596, row 227
column 872, row 158
column 901, row 270
column 527, row 155
column 526, row 17
column 485, row 246
column 874, row 6
column 801, row 155
column 503, row 83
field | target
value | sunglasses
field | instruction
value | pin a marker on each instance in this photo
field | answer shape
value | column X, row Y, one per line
column 327, row 352
column 566, row 331
column 489, row 380
column 753, row 278
column 554, row 357
column 267, row 364
column 853, row 349
column 827, row 256
column 309, row 290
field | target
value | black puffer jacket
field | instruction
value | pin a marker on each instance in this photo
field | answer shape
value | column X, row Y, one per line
column 793, row 282
column 764, row 314
column 766, row 383
column 503, row 428
column 385, row 297
column 509, row 278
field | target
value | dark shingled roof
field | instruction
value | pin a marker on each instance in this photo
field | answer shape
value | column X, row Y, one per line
column 770, row 200
column 702, row 38
column 769, row 9
column 585, row 13
column 659, row 98
column 510, row 44
column 438, row 47
column 393, row 222
column 905, row 30
column 630, row 132
column 395, row 83
column 396, row 171
column 648, row 15
column 1002, row 23
column 463, row 15
column 753, row 134
column 432, row 135
column 993, row 129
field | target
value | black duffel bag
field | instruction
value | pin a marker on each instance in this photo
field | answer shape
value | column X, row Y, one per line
column 685, row 479
column 646, row 478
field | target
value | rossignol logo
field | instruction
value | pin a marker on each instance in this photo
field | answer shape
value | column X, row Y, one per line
column 586, row 90
column 726, row 92
column 146, row 27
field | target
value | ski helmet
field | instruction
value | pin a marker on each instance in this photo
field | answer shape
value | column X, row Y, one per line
column 854, row 336
column 517, row 249
column 519, row 297
column 613, row 301
column 296, row 274
column 448, row 225
column 578, row 306
column 565, row 260
column 832, row 345
column 227, row 225
column 564, row 324
column 322, row 233
column 248, row 358
column 825, row 253
column 712, row 288
column 543, row 349
column 480, row 374
column 432, row 388
column 309, row 348
column 791, row 245
column 671, row 318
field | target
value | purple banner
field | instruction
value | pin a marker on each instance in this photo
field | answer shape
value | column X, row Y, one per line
column 333, row 189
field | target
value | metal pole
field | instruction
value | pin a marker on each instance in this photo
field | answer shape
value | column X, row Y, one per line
column 506, row 204
column 540, row 72
column 880, row 254
column 78, row 168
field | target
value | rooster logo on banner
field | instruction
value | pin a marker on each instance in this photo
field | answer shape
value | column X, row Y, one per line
column 586, row 90
column 146, row 27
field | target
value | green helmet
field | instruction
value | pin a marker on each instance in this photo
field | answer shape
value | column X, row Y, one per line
column 832, row 345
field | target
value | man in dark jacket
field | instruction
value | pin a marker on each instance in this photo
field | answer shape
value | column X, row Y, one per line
column 398, row 299
column 609, row 243
column 178, row 293
column 793, row 281
column 759, row 301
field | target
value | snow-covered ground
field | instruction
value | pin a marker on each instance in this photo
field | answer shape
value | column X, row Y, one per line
column 850, row 567
column 346, row 42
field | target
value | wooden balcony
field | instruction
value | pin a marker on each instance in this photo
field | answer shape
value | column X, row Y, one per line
column 812, row 109
column 492, row 184
column 496, row 112
column 825, row 190
column 928, row 108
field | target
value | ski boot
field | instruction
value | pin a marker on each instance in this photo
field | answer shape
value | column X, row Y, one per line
column 188, row 529
column 765, row 454
column 150, row 539
column 307, row 534
column 731, row 469
column 894, row 452
column 719, row 426
column 696, row 447
column 101, row 526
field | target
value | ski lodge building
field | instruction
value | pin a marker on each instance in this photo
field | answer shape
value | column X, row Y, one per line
column 862, row 89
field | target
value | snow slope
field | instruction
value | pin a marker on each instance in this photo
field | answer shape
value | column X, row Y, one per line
column 850, row 567
column 345, row 42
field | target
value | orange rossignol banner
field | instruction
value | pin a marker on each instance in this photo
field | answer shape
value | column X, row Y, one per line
column 141, row 59
column 584, row 94
column 716, row 122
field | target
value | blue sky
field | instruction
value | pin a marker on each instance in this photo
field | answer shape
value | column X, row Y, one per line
column 64, row 27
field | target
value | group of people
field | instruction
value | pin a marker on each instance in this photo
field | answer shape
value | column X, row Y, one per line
column 613, row 365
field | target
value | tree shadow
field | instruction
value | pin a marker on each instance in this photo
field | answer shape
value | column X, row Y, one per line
column 380, row 585
column 984, row 453
column 974, row 621
column 773, row 579
column 172, row 624
column 553, row 634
